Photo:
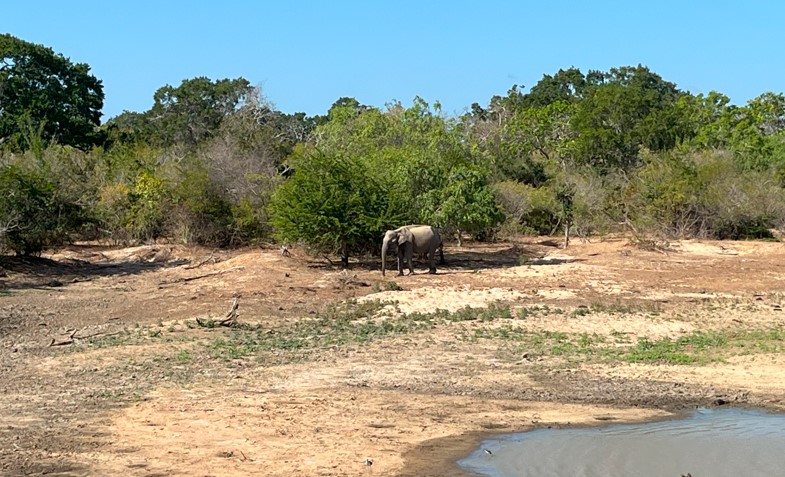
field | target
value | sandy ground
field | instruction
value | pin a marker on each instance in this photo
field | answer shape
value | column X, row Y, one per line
column 105, row 371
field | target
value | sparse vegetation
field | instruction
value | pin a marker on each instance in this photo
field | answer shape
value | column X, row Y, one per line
column 352, row 323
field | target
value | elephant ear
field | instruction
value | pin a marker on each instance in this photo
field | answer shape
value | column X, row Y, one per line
column 405, row 236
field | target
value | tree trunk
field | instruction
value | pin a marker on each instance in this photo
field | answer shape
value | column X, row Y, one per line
column 344, row 256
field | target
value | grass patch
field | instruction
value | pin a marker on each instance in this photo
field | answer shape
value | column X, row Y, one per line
column 354, row 323
column 697, row 348
column 705, row 347
column 536, row 310
column 619, row 308
column 336, row 326
column 183, row 356
column 388, row 286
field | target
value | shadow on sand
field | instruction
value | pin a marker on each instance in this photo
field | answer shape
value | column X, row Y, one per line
column 28, row 272
column 471, row 257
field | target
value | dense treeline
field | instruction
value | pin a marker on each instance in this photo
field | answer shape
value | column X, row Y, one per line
column 212, row 162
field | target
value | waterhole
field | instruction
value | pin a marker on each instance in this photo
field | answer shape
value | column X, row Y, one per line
column 709, row 443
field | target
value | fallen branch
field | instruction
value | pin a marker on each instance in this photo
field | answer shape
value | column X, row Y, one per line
column 231, row 315
column 229, row 320
column 72, row 338
column 351, row 280
column 211, row 257
column 198, row 277
column 67, row 341
column 100, row 333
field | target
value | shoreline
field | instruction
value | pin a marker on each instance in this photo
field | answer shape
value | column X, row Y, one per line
column 439, row 457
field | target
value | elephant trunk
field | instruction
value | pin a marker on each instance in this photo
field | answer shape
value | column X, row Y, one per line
column 385, row 244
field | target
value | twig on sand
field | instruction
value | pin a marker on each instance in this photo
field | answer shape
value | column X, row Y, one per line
column 197, row 277
column 72, row 338
column 210, row 258
column 64, row 342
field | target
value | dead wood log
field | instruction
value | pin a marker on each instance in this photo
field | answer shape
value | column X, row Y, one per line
column 229, row 320
column 64, row 342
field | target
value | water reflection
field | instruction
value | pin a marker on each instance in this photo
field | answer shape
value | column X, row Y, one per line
column 715, row 443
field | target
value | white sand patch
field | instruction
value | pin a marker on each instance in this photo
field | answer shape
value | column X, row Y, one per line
column 555, row 294
column 666, row 295
column 727, row 248
column 607, row 287
column 520, row 272
column 430, row 299
column 628, row 328
column 545, row 266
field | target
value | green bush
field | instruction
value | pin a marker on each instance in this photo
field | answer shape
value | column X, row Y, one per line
column 200, row 213
column 33, row 216
column 332, row 204
column 738, row 204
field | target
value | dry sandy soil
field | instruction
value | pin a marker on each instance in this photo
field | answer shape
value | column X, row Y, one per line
column 104, row 369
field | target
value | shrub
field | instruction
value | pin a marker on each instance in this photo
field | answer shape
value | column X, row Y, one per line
column 532, row 210
column 332, row 204
column 705, row 195
column 33, row 215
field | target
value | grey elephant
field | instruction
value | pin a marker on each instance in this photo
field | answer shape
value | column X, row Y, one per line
column 411, row 239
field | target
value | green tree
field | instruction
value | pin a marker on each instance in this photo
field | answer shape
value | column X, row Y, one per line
column 466, row 203
column 332, row 203
column 754, row 133
column 567, row 86
column 44, row 96
column 187, row 114
column 427, row 167
column 622, row 111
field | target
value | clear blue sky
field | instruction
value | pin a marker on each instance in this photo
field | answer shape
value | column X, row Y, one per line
column 307, row 54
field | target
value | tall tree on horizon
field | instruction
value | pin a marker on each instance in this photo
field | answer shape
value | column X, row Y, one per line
column 46, row 97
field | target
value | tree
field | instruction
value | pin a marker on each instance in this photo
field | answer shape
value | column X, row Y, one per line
column 755, row 133
column 187, row 114
column 567, row 86
column 465, row 204
column 44, row 94
column 332, row 203
column 421, row 163
column 623, row 111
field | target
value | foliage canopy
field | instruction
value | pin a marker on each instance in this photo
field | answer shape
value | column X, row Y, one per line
column 44, row 96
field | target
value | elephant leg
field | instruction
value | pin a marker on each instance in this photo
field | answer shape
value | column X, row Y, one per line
column 431, row 260
column 400, row 264
column 410, row 259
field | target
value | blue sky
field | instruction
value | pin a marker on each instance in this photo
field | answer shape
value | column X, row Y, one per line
column 306, row 54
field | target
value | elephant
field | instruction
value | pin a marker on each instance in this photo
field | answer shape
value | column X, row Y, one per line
column 411, row 239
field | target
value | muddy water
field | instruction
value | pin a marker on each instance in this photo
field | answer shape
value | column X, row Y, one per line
column 713, row 443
